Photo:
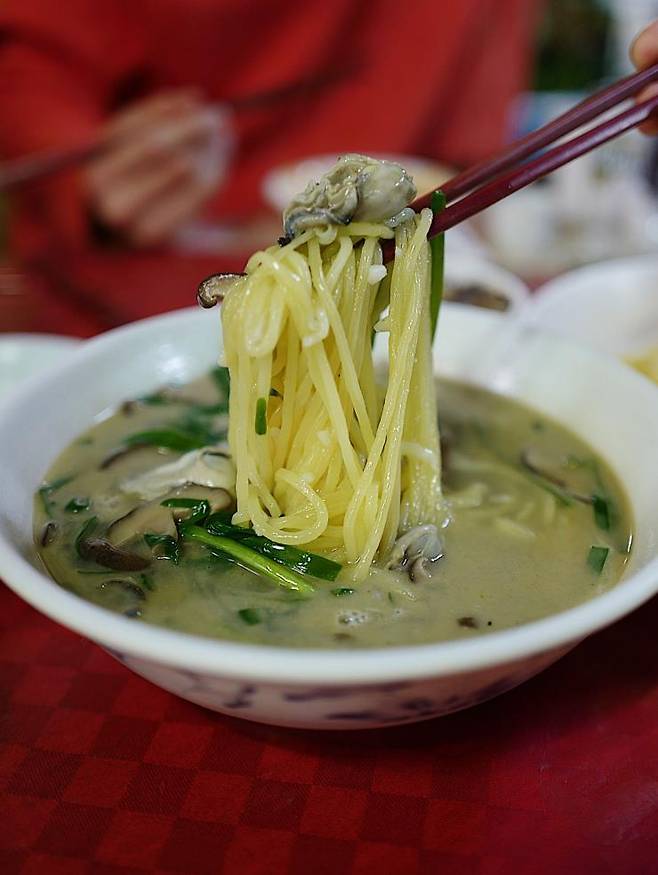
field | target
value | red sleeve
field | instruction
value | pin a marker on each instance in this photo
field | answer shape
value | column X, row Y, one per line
column 59, row 69
column 496, row 68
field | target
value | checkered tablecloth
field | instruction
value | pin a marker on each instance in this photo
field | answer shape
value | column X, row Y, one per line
column 101, row 772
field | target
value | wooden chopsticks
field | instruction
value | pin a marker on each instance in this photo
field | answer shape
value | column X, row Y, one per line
column 487, row 183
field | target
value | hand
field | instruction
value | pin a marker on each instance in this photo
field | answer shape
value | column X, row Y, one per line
column 644, row 53
column 166, row 156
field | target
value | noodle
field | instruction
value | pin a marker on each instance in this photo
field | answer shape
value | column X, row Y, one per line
column 339, row 465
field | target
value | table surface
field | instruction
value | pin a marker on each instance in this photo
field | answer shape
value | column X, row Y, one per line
column 101, row 772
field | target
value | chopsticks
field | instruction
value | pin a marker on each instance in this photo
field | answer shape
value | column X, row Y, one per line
column 489, row 182
column 42, row 164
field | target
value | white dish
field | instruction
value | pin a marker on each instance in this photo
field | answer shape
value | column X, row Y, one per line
column 466, row 269
column 315, row 688
column 611, row 306
column 24, row 355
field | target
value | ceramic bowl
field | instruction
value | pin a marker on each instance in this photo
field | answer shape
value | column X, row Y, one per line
column 604, row 402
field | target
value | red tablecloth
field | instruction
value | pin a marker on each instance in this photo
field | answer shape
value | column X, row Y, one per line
column 101, row 772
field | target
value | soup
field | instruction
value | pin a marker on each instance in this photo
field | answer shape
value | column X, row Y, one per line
column 534, row 524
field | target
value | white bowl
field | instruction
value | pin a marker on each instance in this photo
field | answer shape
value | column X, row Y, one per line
column 601, row 400
column 612, row 305
column 24, row 355
column 469, row 269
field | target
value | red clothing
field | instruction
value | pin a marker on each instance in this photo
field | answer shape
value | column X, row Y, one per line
column 436, row 79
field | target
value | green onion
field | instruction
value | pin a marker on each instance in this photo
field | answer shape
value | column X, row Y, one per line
column 78, row 505
column 597, row 557
column 437, row 248
column 147, row 581
column 48, row 489
column 602, row 513
column 167, row 439
column 341, row 591
column 167, row 546
column 251, row 616
column 286, row 577
column 199, row 508
column 260, row 422
column 222, row 380
column 86, row 530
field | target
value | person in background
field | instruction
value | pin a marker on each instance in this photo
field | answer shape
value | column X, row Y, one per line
column 434, row 78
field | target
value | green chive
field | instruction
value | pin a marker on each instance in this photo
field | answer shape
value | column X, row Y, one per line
column 222, row 380
column 199, row 507
column 251, row 616
column 597, row 557
column 341, row 591
column 86, row 530
column 166, row 546
column 602, row 513
column 147, row 581
column 78, row 505
column 286, row 577
column 437, row 248
column 168, row 439
column 48, row 489
column 260, row 422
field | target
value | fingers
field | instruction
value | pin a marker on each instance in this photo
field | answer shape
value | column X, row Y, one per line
column 145, row 113
column 175, row 207
column 155, row 143
column 644, row 49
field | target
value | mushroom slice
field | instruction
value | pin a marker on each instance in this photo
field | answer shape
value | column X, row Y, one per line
column 150, row 517
column 153, row 518
column 415, row 550
column 206, row 467
column 213, row 289
column 102, row 552
column 533, row 460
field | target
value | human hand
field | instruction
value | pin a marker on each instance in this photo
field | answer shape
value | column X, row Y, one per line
column 166, row 156
column 644, row 53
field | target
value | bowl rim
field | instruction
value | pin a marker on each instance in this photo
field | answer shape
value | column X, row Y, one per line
column 276, row 664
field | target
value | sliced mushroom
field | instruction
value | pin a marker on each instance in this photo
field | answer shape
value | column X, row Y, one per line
column 102, row 552
column 414, row 551
column 213, row 289
column 540, row 466
column 152, row 517
column 206, row 467
column 48, row 534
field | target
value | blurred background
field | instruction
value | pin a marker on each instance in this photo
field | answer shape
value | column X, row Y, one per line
column 182, row 127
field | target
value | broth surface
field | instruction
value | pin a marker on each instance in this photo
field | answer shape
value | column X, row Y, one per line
column 517, row 547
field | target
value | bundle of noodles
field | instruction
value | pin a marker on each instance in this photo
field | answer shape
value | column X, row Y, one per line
column 324, row 456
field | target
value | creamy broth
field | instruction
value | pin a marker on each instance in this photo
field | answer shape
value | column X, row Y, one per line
column 527, row 503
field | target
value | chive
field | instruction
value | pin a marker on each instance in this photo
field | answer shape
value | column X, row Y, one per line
column 157, row 399
column 286, row 577
column 222, row 380
column 199, row 508
column 342, row 590
column 86, row 530
column 48, row 489
column 147, row 581
column 251, row 616
column 260, row 422
column 167, row 546
column 597, row 557
column 168, row 439
column 77, row 505
column 303, row 561
column 437, row 248
column 602, row 513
